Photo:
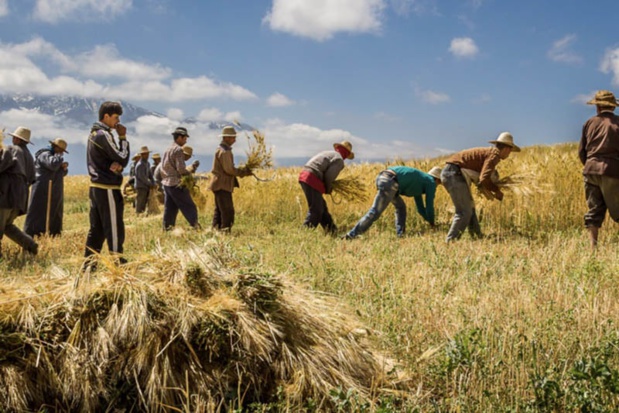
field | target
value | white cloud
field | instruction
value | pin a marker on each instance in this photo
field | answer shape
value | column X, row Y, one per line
column 610, row 64
column 54, row 11
column 4, row 8
column 432, row 97
column 43, row 126
column 583, row 98
column 405, row 7
column 322, row 19
column 210, row 115
column 463, row 47
column 175, row 114
column 278, row 100
column 21, row 72
column 560, row 51
column 386, row 117
column 233, row 116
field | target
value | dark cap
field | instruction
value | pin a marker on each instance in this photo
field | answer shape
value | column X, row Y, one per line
column 180, row 131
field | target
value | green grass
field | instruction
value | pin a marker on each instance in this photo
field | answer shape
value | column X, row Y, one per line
column 523, row 320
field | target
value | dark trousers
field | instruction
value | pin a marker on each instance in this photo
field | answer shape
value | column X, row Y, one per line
column 223, row 218
column 7, row 216
column 106, row 221
column 318, row 212
column 174, row 199
column 141, row 199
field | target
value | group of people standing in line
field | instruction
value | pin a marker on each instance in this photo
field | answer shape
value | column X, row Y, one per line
column 107, row 156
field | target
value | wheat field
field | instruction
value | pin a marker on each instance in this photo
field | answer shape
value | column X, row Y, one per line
column 523, row 320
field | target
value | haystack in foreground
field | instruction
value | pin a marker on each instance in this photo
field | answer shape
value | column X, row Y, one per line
column 190, row 332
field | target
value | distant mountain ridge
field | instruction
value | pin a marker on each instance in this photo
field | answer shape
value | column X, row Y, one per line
column 84, row 111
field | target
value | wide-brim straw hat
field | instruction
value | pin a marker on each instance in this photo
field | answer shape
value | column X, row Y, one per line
column 144, row 149
column 60, row 143
column 156, row 156
column 136, row 157
column 435, row 172
column 348, row 146
column 604, row 98
column 506, row 138
column 22, row 133
column 187, row 150
column 228, row 131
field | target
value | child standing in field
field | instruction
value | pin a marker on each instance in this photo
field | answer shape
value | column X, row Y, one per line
column 482, row 161
column 317, row 178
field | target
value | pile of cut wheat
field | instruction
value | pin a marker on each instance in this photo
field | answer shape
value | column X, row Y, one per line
column 178, row 332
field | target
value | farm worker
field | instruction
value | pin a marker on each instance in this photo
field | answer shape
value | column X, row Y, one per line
column 45, row 209
column 156, row 161
column 106, row 157
column 175, row 196
column 17, row 173
column 316, row 178
column 225, row 180
column 393, row 183
column 143, row 180
column 453, row 176
column 599, row 153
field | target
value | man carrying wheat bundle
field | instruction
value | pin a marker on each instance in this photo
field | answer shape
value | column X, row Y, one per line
column 317, row 177
column 225, row 180
column 392, row 184
column 599, row 153
column 455, row 179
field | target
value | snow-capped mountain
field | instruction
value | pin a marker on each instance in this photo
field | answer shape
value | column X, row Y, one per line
column 83, row 111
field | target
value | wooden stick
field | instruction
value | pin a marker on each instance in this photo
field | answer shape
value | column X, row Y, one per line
column 49, row 205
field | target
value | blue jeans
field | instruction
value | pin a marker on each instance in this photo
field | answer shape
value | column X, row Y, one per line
column 387, row 186
column 460, row 193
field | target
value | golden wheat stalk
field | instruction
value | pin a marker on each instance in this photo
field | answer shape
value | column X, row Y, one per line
column 350, row 189
column 258, row 156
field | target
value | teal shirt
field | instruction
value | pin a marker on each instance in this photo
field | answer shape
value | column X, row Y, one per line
column 415, row 183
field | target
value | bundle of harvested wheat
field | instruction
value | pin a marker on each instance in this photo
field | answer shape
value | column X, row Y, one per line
column 258, row 156
column 152, row 207
column 178, row 332
column 193, row 183
column 350, row 189
column 519, row 184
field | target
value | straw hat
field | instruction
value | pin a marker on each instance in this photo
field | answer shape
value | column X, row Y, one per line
column 144, row 149
column 506, row 138
column 61, row 143
column 22, row 133
column 135, row 157
column 348, row 147
column 187, row 150
column 180, row 131
column 228, row 131
column 435, row 172
column 156, row 156
column 604, row 98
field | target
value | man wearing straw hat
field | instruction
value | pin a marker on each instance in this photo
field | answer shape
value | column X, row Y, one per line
column 316, row 178
column 599, row 153
column 17, row 173
column 225, row 180
column 143, row 180
column 45, row 211
column 176, row 196
column 106, row 157
column 482, row 161
column 393, row 183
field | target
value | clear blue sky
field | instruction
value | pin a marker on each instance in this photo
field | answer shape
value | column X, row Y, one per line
column 407, row 78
